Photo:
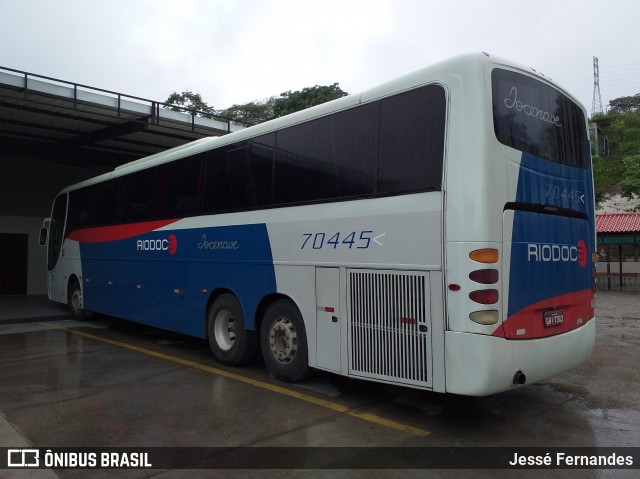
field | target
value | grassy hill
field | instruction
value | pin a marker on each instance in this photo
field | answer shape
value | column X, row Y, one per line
column 619, row 173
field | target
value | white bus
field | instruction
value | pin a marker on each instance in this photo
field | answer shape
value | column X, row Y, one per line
column 435, row 232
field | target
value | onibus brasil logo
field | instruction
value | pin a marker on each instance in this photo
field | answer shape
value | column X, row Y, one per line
column 556, row 253
column 170, row 244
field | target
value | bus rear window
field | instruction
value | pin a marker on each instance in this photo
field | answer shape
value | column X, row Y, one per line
column 537, row 119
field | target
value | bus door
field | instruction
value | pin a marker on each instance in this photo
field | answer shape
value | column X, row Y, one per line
column 55, row 238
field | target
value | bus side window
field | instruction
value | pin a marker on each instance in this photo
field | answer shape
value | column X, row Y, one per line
column 217, row 189
column 250, row 169
column 181, row 187
column 305, row 170
column 355, row 138
column 92, row 206
column 412, row 127
column 136, row 195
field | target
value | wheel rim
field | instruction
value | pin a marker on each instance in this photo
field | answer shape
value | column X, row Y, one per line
column 224, row 330
column 283, row 340
column 76, row 300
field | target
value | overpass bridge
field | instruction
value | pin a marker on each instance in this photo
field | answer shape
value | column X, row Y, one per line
column 54, row 133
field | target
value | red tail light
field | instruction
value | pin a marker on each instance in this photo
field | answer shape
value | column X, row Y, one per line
column 484, row 296
column 484, row 276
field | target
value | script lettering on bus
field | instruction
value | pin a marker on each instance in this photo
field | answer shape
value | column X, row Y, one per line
column 217, row 245
column 530, row 110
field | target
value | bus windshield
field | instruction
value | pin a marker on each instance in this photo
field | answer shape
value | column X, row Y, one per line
column 537, row 119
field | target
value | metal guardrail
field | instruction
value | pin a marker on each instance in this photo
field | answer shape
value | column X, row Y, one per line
column 153, row 105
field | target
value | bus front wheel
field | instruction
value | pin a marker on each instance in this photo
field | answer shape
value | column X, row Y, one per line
column 231, row 343
column 283, row 340
column 74, row 301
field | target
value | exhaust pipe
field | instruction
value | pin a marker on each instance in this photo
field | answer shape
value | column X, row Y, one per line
column 519, row 378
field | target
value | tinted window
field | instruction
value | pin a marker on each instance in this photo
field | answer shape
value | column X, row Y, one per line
column 136, row 196
column 412, row 129
column 355, row 143
column 305, row 170
column 218, row 196
column 250, row 170
column 181, row 186
column 389, row 146
column 92, row 206
column 537, row 119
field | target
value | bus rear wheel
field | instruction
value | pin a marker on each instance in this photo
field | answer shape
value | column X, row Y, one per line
column 74, row 301
column 283, row 340
column 230, row 341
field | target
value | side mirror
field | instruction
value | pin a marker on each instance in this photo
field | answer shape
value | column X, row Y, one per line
column 43, row 237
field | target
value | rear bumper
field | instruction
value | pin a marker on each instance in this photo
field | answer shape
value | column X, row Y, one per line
column 479, row 365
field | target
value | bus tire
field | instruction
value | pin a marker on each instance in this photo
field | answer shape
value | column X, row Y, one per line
column 283, row 340
column 231, row 343
column 74, row 301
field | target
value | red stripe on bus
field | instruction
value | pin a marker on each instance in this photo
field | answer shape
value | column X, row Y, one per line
column 103, row 234
column 528, row 323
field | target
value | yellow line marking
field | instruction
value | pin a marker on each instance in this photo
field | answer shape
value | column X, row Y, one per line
column 255, row 382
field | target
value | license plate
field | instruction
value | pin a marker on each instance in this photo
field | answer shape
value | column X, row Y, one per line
column 553, row 318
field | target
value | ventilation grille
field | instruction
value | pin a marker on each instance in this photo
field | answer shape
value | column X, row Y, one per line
column 389, row 331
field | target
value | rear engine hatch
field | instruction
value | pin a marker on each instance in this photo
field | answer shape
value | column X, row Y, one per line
column 548, row 277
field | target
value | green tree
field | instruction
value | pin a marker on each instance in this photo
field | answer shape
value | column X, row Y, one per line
column 624, row 133
column 250, row 113
column 625, row 104
column 256, row 111
column 630, row 184
column 290, row 102
column 189, row 101
column 598, row 116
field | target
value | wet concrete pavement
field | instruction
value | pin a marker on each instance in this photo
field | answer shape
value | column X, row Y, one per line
column 112, row 383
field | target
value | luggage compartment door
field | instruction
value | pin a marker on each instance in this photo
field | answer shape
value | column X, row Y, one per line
column 328, row 321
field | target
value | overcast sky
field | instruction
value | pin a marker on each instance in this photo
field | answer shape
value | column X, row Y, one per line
column 243, row 50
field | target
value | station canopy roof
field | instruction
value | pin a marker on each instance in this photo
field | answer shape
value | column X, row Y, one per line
column 80, row 125
column 618, row 223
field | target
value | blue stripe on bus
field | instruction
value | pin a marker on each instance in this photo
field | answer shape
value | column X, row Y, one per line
column 550, row 255
column 164, row 278
column 549, row 183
